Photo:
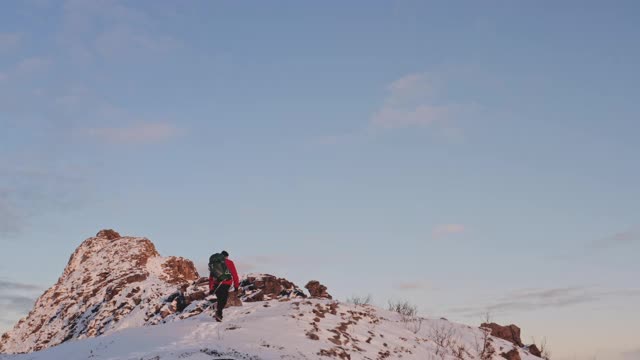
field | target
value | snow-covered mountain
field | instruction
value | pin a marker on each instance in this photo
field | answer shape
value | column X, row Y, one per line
column 110, row 304
column 111, row 282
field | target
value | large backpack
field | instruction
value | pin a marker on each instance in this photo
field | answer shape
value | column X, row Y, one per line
column 218, row 268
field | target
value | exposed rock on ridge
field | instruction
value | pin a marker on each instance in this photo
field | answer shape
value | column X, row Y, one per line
column 510, row 333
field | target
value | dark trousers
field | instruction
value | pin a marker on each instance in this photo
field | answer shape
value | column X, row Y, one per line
column 223, row 295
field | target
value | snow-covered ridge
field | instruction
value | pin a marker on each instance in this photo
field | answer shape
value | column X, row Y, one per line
column 114, row 287
column 290, row 329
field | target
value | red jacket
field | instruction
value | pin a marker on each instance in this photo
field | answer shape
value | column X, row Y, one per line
column 232, row 268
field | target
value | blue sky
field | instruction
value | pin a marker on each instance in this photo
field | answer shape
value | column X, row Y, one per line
column 464, row 156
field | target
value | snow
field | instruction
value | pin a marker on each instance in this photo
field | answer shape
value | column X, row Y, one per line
column 106, row 305
column 274, row 330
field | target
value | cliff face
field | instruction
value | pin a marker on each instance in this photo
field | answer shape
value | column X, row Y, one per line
column 110, row 282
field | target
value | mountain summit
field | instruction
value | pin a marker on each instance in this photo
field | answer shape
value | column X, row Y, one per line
column 115, row 286
column 110, row 282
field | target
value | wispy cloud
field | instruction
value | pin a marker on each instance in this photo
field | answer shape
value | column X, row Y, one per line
column 422, row 115
column 535, row 299
column 618, row 239
column 111, row 30
column 411, row 102
column 447, row 229
column 140, row 133
column 16, row 300
column 30, row 190
column 6, row 285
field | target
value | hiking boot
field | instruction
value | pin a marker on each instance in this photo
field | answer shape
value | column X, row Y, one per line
column 218, row 317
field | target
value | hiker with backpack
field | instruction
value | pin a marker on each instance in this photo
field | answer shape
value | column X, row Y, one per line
column 222, row 274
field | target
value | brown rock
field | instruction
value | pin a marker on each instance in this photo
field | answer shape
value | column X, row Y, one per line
column 198, row 295
column 179, row 270
column 511, row 355
column 510, row 333
column 108, row 234
column 533, row 350
column 265, row 287
column 317, row 290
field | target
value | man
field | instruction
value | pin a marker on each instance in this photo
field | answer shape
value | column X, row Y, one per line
column 221, row 288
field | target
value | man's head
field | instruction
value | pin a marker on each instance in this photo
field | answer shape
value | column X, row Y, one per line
column 225, row 253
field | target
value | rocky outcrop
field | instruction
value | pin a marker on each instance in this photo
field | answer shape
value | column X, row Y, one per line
column 178, row 270
column 513, row 354
column 317, row 290
column 510, row 333
column 261, row 287
column 533, row 350
column 108, row 277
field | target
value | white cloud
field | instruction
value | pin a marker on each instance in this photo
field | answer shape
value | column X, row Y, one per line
column 410, row 91
column 535, row 299
column 411, row 102
column 423, row 115
column 139, row 133
column 447, row 229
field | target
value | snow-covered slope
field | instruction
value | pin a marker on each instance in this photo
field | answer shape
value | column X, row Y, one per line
column 110, row 303
column 111, row 282
column 291, row 329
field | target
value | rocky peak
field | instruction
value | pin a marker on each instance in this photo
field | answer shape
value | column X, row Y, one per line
column 108, row 234
column 107, row 278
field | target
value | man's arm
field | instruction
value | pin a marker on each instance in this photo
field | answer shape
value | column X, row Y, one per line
column 234, row 273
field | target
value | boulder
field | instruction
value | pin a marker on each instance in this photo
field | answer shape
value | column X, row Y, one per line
column 510, row 333
column 108, row 234
column 511, row 355
column 533, row 350
column 317, row 290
